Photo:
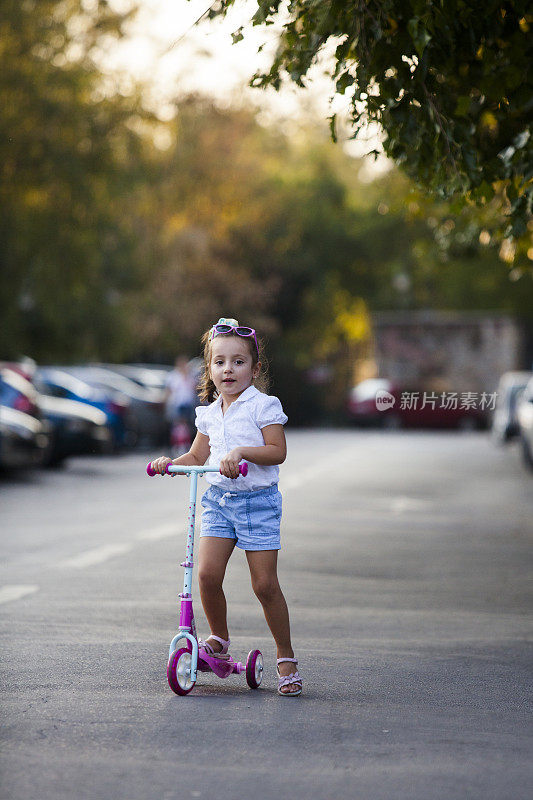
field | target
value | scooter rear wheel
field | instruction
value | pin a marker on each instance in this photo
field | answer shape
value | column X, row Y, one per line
column 254, row 669
column 179, row 672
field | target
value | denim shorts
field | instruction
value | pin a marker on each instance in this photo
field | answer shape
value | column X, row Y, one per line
column 251, row 519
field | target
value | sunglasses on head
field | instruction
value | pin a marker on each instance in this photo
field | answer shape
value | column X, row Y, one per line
column 240, row 330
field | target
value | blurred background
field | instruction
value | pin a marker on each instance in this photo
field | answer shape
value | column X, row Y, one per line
column 147, row 190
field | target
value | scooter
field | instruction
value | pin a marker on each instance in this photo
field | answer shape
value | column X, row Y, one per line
column 185, row 661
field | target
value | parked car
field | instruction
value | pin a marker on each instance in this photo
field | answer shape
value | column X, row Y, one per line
column 151, row 376
column 57, row 382
column 23, row 439
column 524, row 413
column 505, row 421
column 75, row 429
column 17, row 389
column 146, row 403
column 362, row 402
column 379, row 402
column 23, row 432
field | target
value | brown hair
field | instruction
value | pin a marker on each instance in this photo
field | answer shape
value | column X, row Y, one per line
column 207, row 391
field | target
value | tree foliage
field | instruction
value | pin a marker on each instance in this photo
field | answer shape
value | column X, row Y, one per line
column 448, row 81
column 69, row 160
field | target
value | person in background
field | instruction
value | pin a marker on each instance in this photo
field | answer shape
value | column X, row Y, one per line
column 180, row 394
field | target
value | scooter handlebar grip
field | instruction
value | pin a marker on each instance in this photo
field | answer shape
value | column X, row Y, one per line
column 151, row 471
column 243, row 470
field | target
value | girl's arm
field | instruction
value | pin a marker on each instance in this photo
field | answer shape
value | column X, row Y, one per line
column 196, row 457
column 273, row 452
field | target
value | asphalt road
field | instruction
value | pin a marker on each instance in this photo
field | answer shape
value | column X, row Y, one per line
column 406, row 564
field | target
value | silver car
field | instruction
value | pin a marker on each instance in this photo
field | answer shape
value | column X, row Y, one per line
column 524, row 413
column 505, row 421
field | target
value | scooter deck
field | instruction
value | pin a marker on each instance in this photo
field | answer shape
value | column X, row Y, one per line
column 221, row 667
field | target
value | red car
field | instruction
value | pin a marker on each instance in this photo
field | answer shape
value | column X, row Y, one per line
column 381, row 402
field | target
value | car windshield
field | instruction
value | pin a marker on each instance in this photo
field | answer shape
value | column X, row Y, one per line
column 107, row 379
column 71, row 384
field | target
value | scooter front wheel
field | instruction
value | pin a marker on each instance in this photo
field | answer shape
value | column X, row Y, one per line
column 179, row 671
column 254, row 669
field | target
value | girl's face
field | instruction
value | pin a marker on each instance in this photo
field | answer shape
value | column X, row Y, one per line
column 231, row 367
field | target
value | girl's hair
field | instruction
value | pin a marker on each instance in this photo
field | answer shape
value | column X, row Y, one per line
column 207, row 391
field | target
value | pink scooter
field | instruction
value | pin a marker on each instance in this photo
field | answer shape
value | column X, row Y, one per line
column 184, row 662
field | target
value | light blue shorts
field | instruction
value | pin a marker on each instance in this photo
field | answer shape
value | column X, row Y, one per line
column 251, row 519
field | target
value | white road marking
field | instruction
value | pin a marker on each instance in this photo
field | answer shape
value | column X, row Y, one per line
column 294, row 481
column 16, row 591
column 96, row 556
column 99, row 555
column 333, row 465
column 163, row 532
column 395, row 504
column 403, row 503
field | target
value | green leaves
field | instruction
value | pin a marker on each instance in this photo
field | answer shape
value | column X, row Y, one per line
column 419, row 34
column 464, row 67
column 463, row 105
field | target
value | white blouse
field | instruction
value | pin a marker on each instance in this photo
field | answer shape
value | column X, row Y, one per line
column 240, row 426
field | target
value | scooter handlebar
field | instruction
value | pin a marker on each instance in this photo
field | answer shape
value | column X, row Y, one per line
column 172, row 469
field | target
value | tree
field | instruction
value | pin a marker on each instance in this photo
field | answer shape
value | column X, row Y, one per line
column 70, row 158
column 448, row 82
column 283, row 234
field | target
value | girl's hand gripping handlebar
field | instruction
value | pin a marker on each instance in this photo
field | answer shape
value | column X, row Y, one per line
column 173, row 469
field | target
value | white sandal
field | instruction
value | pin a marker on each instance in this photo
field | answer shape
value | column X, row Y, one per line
column 286, row 680
column 207, row 647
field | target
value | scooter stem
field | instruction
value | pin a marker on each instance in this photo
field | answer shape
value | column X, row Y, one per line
column 187, row 579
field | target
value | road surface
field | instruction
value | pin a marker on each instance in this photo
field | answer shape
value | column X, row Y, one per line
column 406, row 564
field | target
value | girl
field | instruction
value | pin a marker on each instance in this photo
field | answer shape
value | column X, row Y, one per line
column 240, row 424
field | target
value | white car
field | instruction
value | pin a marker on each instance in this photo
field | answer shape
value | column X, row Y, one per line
column 504, row 420
column 524, row 413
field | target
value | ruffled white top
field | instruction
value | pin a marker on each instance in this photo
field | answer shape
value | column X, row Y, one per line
column 241, row 425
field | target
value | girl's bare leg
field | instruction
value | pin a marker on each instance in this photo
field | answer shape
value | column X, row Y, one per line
column 264, row 573
column 213, row 557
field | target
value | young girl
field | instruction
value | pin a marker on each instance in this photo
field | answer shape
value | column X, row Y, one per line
column 240, row 424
